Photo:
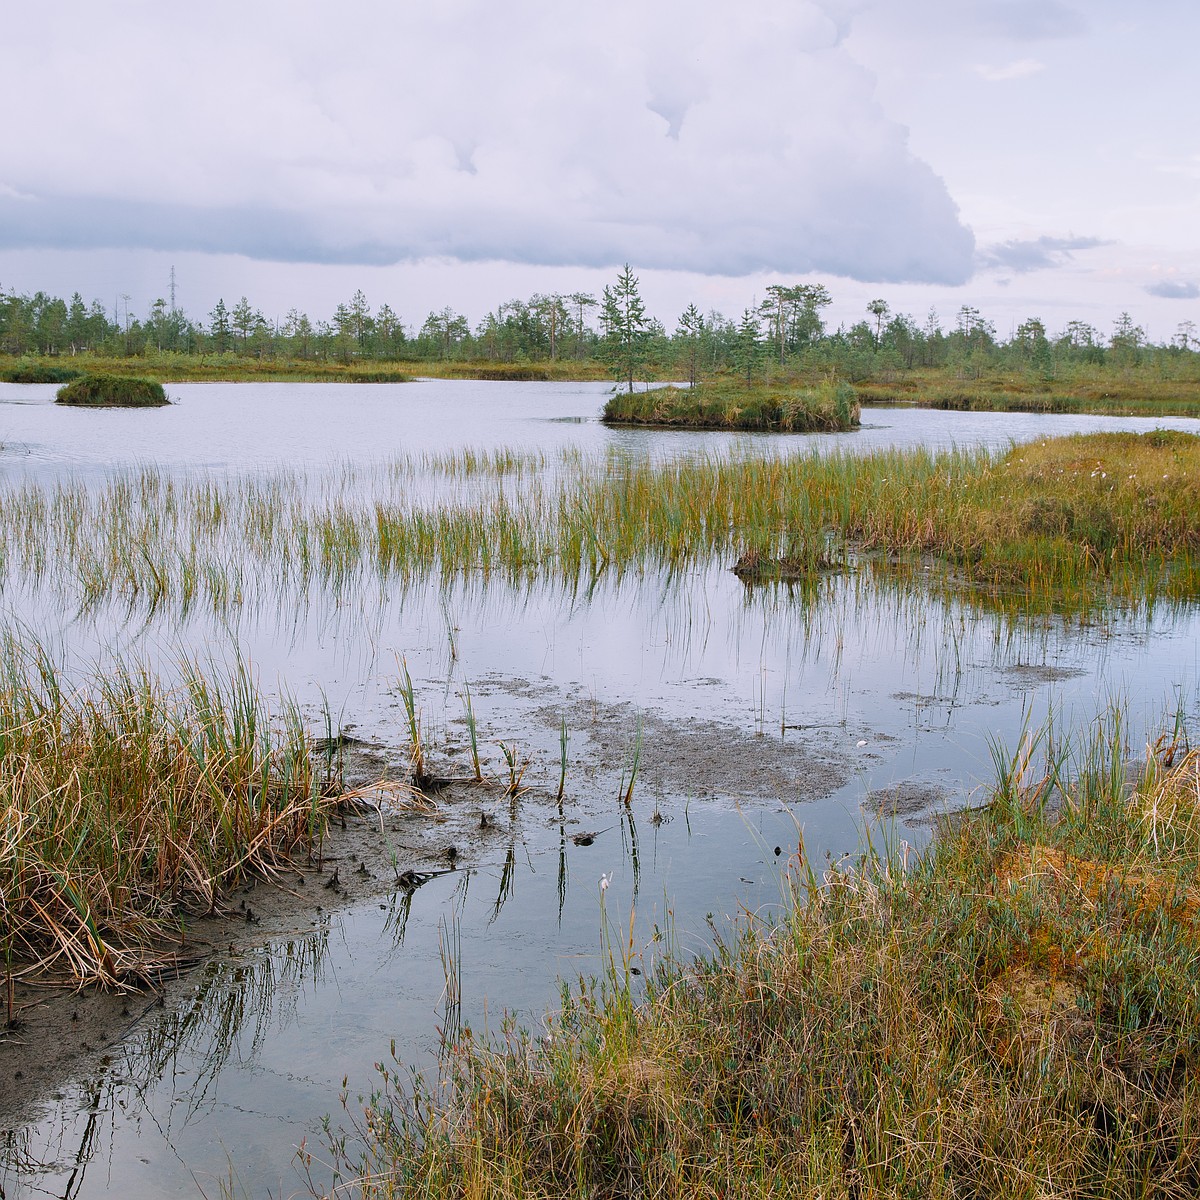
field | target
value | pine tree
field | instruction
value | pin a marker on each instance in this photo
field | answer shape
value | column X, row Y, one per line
column 626, row 330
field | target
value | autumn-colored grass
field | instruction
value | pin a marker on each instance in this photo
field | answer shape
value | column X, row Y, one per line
column 1165, row 388
column 1073, row 524
column 1014, row 1014
column 128, row 807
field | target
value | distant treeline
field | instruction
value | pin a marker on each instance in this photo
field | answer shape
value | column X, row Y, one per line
column 786, row 328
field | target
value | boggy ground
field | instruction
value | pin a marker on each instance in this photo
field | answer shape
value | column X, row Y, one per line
column 1011, row 1014
column 382, row 839
column 386, row 838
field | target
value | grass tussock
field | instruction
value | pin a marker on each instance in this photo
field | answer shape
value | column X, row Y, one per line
column 827, row 407
column 112, row 391
column 128, row 806
column 1015, row 1014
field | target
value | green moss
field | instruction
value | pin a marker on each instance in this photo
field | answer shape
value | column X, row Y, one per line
column 112, row 391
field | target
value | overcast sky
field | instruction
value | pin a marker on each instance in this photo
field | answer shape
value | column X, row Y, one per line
column 1027, row 157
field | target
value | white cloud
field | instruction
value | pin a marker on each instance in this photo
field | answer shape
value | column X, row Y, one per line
column 1022, row 68
column 673, row 136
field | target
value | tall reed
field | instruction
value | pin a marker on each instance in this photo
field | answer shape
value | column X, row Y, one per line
column 129, row 806
column 1069, row 522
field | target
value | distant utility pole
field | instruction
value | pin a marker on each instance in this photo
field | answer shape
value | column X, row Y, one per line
column 172, row 289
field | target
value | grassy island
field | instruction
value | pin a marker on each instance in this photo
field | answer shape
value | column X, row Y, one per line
column 112, row 391
column 1015, row 1013
column 827, row 407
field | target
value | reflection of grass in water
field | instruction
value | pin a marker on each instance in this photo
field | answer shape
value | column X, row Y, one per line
column 1070, row 523
column 232, row 1010
column 1015, row 1013
column 128, row 806
column 227, row 1017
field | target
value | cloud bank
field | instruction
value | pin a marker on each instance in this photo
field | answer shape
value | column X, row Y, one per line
column 1170, row 289
column 673, row 136
column 1035, row 254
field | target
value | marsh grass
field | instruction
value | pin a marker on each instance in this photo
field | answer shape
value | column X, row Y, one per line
column 1068, row 524
column 111, row 391
column 129, row 807
column 827, row 407
column 1158, row 390
column 1015, row 1013
column 24, row 371
column 171, row 367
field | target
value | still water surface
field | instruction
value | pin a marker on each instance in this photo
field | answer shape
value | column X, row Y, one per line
column 761, row 713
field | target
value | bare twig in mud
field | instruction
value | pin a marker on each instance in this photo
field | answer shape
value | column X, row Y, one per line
column 410, row 880
column 399, row 794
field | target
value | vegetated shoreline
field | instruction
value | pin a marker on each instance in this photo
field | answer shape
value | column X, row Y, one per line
column 1014, row 1012
column 829, row 407
column 1103, row 390
column 146, row 829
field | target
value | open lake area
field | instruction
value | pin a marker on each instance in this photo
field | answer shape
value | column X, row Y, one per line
column 566, row 754
column 600, row 602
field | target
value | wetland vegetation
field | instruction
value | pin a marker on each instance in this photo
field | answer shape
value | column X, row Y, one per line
column 111, row 391
column 129, row 808
column 1069, row 524
column 1011, row 1006
column 829, row 407
column 1012, row 1012
column 782, row 341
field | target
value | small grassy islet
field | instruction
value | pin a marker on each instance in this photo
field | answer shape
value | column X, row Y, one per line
column 827, row 407
column 112, row 391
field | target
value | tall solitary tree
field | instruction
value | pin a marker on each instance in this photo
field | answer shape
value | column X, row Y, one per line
column 878, row 309
column 626, row 329
column 219, row 326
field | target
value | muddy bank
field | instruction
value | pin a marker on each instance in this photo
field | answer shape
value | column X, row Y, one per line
column 388, row 841
column 384, row 841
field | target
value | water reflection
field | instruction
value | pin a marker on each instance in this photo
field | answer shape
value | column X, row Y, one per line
column 663, row 728
column 236, row 1005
